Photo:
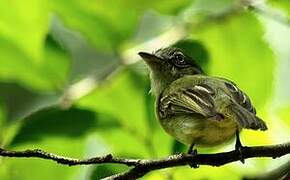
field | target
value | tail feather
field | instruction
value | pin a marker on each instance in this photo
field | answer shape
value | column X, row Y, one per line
column 246, row 119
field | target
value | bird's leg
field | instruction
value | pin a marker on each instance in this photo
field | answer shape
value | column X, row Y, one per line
column 192, row 152
column 190, row 148
column 239, row 147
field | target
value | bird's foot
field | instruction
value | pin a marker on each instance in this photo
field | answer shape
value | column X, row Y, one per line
column 193, row 152
column 239, row 148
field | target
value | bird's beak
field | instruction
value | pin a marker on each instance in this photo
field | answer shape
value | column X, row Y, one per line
column 150, row 58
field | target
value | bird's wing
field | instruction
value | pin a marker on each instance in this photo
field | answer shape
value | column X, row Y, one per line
column 240, row 97
column 194, row 100
column 242, row 108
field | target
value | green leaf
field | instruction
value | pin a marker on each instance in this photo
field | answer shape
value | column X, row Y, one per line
column 86, row 60
column 16, row 66
column 56, row 66
column 283, row 114
column 150, row 110
column 242, row 56
column 156, row 22
column 281, row 4
column 25, row 25
column 107, row 170
column 19, row 101
column 178, row 147
column 211, row 7
column 54, row 121
column 45, row 76
column 172, row 7
column 277, row 35
column 123, row 97
column 102, row 22
column 107, row 24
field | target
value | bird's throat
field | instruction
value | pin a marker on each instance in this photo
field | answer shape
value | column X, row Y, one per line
column 159, row 82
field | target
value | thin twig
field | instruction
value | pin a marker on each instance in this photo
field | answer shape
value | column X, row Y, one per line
column 142, row 166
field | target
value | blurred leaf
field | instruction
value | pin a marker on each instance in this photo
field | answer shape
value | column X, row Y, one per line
column 109, row 23
column 56, row 122
column 281, row 4
column 278, row 36
column 162, row 142
column 178, row 147
column 234, row 51
column 206, row 172
column 211, row 7
column 27, row 86
column 122, row 142
column 46, row 76
column 151, row 25
column 24, row 24
column 150, row 110
column 277, row 111
column 123, row 97
column 16, row 66
column 86, row 60
column 172, row 7
column 104, row 28
column 56, row 67
column 19, row 102
column 106, row 170
column 3, row 120
column 284, row 114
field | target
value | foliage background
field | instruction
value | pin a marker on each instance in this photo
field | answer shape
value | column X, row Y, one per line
column 71, row 82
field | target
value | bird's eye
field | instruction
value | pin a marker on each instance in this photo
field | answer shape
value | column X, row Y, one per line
column 179, row 60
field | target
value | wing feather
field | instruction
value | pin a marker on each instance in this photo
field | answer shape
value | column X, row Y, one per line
column 195, row 100
column 243, row 109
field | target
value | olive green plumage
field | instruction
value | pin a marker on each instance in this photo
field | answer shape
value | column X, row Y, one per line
column 195, row 108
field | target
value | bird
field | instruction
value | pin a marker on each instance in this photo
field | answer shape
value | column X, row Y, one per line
column 194, row 108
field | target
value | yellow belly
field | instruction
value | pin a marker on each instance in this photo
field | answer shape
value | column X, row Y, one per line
column 201, row 132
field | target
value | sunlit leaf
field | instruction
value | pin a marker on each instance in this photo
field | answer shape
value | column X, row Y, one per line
column 121, row 97
column 25, row 24
column 281, row 4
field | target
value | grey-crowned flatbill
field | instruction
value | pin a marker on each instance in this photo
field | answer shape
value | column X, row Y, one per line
column 194, row 108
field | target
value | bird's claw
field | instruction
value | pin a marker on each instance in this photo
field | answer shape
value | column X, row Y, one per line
column 239, row 150
column 193, row 164
column 239, row 147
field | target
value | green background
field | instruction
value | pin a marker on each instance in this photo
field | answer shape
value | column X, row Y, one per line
column 71, row 81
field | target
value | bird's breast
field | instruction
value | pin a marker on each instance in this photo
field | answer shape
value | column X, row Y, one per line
column 189, row 129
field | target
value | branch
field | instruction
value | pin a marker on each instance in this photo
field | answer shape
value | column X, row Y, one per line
column 142, row 166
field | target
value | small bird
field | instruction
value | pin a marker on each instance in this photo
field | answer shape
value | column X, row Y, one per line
column 194, row 108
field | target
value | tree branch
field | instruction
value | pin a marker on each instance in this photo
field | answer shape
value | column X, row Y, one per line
column 142, row 166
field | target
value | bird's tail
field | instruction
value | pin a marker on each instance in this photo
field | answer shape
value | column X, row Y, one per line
column 245, row 118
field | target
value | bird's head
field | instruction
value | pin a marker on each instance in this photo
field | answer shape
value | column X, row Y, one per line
column 168, row 64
